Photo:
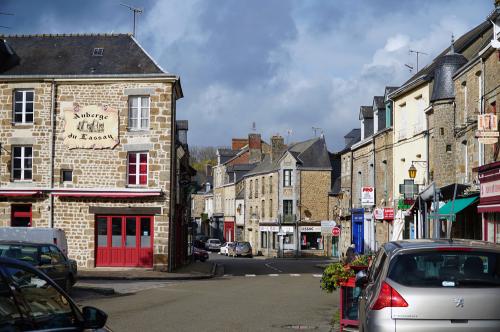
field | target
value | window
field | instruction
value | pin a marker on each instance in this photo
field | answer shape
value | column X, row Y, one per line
column 98, row 51
column 23, row 106
column 20, row 215
column 138, row 168
column 271, row 184
column 287, row 178
column 464, row 84
column 251, row 189
column 263, row 189
column 56, row 255
column 67, row 175
column 287, row 207
column 250, row 213
column 263, row 239
column 448, row 148
column 263, row 209
column 270, row 208
column 138, row 113
column 22, row 163
column 256, row 188
column 11, row 317
column 311, row 241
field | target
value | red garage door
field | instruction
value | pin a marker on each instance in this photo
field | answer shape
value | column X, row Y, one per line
column 124, row 241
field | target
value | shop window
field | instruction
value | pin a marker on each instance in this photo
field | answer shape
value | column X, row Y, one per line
column 263, row 239
column 288, row 239
column 23, row 106
column 67, row 175
column 138, row 168
column 22, row 163
column 287, row 178
column 311, row 241
column 138, row 116
column 21, row 215
column 275, row 240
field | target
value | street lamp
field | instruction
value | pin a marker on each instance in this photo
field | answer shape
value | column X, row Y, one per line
column 412, row 172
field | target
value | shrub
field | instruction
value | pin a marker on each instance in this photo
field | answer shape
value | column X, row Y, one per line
column 333, row 275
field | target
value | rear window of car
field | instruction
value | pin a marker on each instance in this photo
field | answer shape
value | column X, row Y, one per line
column 25, row 253
column 446, row 268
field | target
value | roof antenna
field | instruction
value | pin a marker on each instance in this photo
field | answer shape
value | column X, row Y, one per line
column 135, row 11
column 418, row 53
column 452, row 47
column 316, row 129
column 289, row 132
column 254, row 127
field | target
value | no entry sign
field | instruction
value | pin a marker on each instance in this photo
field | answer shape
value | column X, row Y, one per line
column 336, row 231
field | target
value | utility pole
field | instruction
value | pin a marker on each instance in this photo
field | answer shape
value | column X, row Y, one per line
column 418, row 53
column 135, row 11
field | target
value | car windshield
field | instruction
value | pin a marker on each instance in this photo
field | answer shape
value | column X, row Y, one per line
column 446, row 268
column 215, row 241
column 25, row 253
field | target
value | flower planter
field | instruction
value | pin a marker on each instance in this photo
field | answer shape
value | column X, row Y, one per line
column 349, row 295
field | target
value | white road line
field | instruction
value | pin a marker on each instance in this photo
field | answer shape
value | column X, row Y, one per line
column 228, row 275
column 294, row 275
column 317, row 275
column 273, row 268
column 274, row 275
column 249, row 275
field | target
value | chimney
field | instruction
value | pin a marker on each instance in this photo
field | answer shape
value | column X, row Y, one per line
column 238, row 143
column 277, row 147
column 255, row 148
column 182, row 129
column 208, row 169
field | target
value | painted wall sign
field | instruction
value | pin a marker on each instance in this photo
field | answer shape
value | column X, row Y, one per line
column 378, row 214
column 487, row 128
column 310, row 229
column 367, row 196
column 91, row 127
column 490, row 189
column 388, row 214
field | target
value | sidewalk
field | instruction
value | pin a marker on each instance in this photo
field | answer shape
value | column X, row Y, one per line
column 194, row 271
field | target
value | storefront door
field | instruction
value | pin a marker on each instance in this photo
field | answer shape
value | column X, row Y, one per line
column 124, row 241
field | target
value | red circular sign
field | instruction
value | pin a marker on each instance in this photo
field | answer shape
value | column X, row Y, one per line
column 335, row 231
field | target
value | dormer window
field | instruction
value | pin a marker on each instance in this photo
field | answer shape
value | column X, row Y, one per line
column 98, row 51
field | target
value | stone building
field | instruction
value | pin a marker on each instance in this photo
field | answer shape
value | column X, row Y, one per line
column 88, row 134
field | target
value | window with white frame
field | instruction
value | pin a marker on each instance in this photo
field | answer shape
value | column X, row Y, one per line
column 287, row 178
column 138, row 114
column 22, row 163
column 137, row 168
column 23, row 106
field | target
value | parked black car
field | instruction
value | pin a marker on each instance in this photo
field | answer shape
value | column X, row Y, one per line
column 46, row 257
column 200, row 254
column 31, row 301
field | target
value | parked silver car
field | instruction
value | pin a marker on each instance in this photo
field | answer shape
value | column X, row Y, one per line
column 432, row 285
column 213, row 245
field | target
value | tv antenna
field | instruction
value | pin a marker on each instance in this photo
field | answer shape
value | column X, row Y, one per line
column 410, row 67
column 6, row 14
column 418, row 53
column 254, row 127
column 289, row 132
column 135, row 11
column 315, row 131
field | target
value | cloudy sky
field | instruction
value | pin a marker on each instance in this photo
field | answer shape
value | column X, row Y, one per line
column 287, row 65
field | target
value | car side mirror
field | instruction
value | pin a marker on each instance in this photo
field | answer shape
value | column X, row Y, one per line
column 361, row 279
column 94, row 318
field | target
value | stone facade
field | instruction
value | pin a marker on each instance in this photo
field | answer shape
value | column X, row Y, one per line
column 362, row 176
column 314, row 188
column 104, row 169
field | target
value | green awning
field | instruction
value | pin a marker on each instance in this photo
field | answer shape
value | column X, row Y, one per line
column 460, row 204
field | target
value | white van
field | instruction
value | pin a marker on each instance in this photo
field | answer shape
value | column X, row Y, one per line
column 36, row 235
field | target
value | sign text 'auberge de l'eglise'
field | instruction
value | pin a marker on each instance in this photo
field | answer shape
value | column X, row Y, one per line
column 91, row 127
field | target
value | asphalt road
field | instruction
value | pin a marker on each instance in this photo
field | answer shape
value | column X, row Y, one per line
column 252, row 294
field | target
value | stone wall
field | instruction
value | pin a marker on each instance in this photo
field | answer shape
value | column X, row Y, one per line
column 383, row 168
column 362, row 175
column 314, row 189
column 198, row 205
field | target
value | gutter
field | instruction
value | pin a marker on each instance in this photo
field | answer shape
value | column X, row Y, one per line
column 52, row 151
column 416, row 82
column 122, row 77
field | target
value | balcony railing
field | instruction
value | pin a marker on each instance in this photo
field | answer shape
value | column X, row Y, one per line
column 287, row 218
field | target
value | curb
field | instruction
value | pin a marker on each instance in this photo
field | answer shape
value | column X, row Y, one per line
column 153, row 278
column 99, row 290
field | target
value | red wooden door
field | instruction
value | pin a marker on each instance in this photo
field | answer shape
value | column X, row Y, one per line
column 124, row 241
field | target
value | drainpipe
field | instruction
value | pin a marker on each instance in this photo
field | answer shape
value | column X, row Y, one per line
column 481, row 111
column 372, row 230
column 52, row 151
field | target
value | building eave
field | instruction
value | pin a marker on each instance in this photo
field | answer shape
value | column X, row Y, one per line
column 409, row 87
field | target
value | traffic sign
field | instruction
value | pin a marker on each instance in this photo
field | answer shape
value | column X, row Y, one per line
column 336, row 231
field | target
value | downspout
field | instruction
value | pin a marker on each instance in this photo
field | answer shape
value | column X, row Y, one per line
column 481, row 111
column 52, row 151
column 372, row 231
column 350, row 196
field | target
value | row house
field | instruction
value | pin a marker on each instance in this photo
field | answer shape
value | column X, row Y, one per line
column 287, row 198
column 90, row 145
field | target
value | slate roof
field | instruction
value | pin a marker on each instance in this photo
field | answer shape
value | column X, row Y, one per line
column 378, row 101
column 460, row 45
column 336, row 186
column 72, row 54
column 227, row 152
column 352, row 137
column 446, row 66
column 366, row 112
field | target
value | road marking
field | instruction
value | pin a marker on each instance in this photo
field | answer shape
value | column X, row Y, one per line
column 273, row 268
column 249, row 275
column 294, row 275
column 274, row 275
column 228, row 275
column 317, row 275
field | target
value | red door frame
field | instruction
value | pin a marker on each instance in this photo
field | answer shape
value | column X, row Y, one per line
column 124, row 256
column 229, row 227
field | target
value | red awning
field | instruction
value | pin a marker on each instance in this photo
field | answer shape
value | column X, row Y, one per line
column 19, row 193
column 107, row 194
column 488, row 208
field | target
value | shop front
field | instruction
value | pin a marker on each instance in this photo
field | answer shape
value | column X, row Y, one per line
column 276, row 239
column 489, row 201
column 311, row 240
column 229, row 233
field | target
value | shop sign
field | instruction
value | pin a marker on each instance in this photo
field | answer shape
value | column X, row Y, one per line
column 378, row 213
column 336, row 231
column 405, row 204
column 490, row 189
column 367, row 196
column 487, row 128
column 269, row 228
column 388, row 214
column 91, row 127
column 327, row 226
column 310, row 229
